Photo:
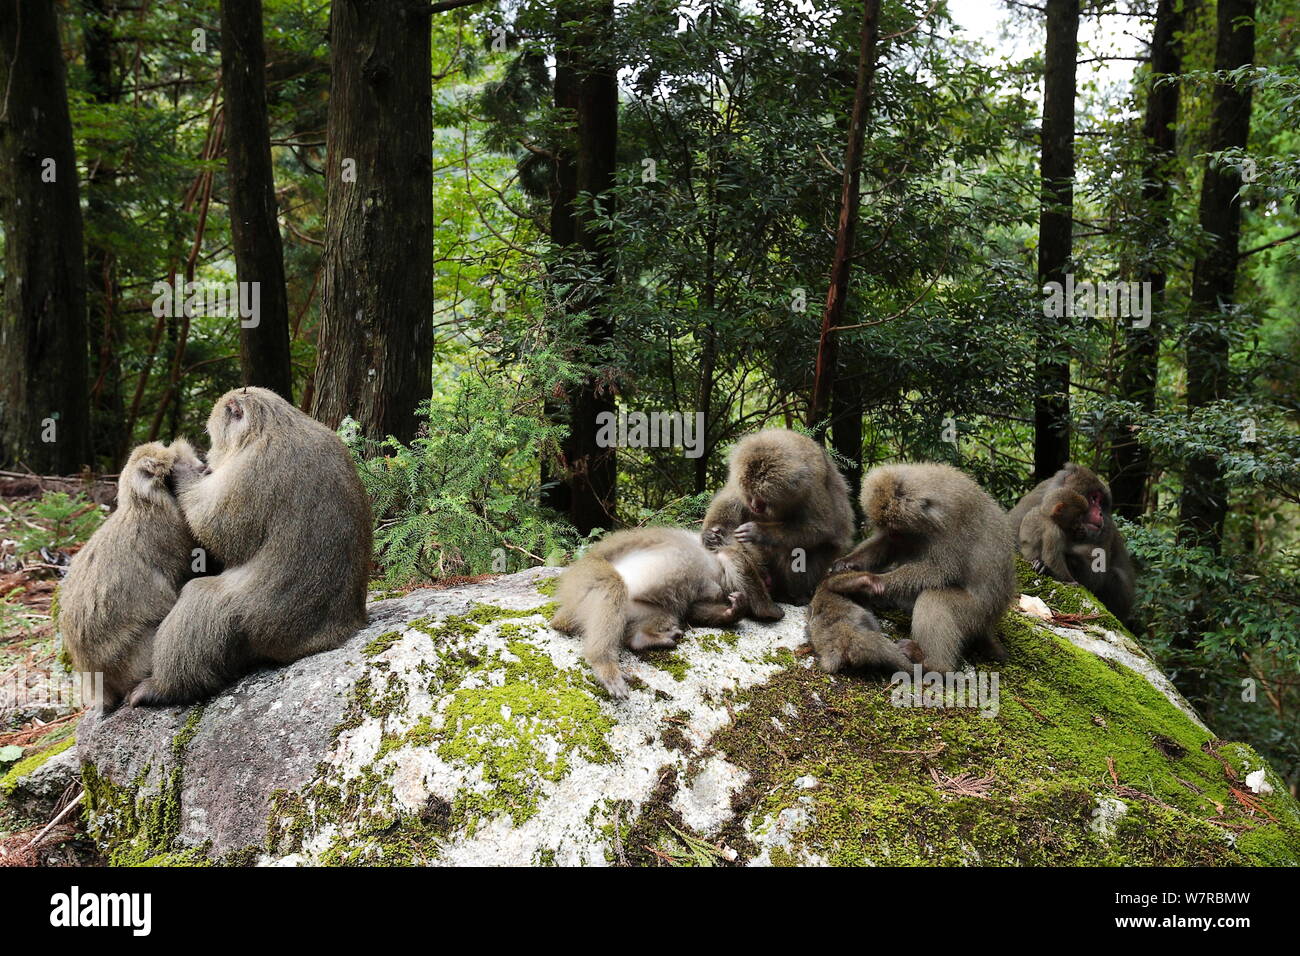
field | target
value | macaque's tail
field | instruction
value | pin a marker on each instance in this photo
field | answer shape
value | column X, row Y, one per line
column 592, row 599
column 844, row 634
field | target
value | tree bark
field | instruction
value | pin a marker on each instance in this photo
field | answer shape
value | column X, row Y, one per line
column 105, row 329
column 375, row 351
column 44, row 404
column 1130, row 470
column 586, row 84
column 841, row 265
column 1055, row 234
column 1204, row 503
column 254, row 222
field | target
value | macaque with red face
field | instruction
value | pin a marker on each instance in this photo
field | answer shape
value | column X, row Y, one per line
column 1064, row 528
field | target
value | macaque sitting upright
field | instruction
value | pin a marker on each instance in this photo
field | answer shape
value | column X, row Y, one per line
column 786, row 501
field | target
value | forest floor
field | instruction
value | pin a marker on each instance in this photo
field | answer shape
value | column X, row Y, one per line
column 29, row 663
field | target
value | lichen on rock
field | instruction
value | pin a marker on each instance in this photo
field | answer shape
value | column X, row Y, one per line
column 458, row 728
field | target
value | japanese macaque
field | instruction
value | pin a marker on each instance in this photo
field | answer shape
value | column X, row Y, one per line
column 1064, row 528
column 127, row 577
column 786, row 500
column 843, row 633
column 939, row 549
column 284, row 512
column 641, row 587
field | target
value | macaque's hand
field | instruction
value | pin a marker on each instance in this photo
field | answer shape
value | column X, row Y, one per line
column 714, row 537
column 856, row 582
column 751, row 532
column 845, row 563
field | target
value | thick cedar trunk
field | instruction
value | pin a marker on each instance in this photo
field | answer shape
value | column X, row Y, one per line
column 1055, row 233
column 43, row 388
column 1214, row 278
column 832, row 317
column 1130, row 470
column 108, row 435
column 375, row 352
column 254, row 224
column 586, row 84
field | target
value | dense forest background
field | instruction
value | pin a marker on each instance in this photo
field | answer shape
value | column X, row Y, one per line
column 476, row 226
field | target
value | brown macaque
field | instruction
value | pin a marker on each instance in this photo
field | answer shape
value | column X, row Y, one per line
column 284, row 512
column 843, row 633
column 786, row 500
column 939, row 549
column 1064, row 528
column 121, row 585
column 640, row 588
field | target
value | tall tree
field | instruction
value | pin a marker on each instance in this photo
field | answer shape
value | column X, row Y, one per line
column 1130, row 468
column 586, row 87
column 841, row 265
column 254, row 223
column 44, row 405
column 375, row 355
column 105, row 328
column 1055, row 234
column 1204, row 502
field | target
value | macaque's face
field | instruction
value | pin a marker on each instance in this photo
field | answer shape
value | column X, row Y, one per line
column 772, row 485
column 897, row 506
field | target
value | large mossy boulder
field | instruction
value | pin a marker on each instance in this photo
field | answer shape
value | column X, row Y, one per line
column 457, row 728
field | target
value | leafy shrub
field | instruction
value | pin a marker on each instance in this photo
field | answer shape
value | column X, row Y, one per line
column 461, row 498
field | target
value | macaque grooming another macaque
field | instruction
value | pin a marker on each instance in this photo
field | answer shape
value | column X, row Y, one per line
column 127, row 577
column 1064, row 528
column 641, row 587
column 285, row 513
column 939, row 549
column 787, row 501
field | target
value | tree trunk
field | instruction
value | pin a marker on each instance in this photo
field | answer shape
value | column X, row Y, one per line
column 254, row 223
column 1130, row 469
column 847, row 409
column 44, row 404
column 1055, row 235
column 586, row 84
column 1214, row 278
column 833, row 315
column 105, row 328
column 375, row 351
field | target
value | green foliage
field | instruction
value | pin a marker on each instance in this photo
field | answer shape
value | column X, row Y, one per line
column 461, row 498
column 54, row 521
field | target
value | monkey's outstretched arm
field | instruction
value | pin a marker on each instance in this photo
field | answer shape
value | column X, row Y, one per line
column 905, row 581
column 871, row 555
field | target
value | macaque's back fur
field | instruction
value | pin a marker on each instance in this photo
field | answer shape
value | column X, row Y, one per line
column 643, row 585
column 128, row 575
column 285, row 513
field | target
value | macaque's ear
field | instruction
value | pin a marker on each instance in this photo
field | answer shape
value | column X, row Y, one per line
column 1058, row 509
column 149, row 474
